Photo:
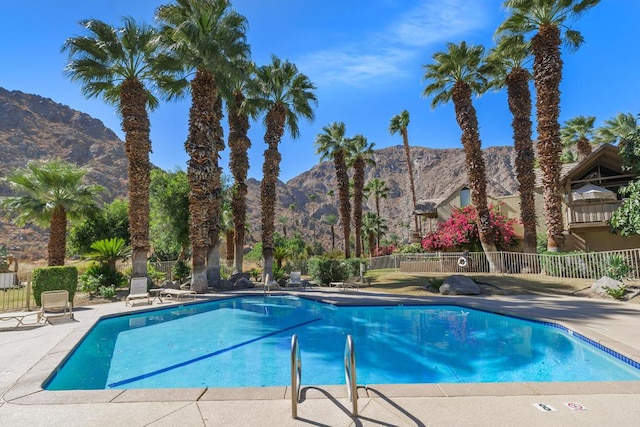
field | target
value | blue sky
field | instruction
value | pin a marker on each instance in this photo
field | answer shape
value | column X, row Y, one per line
column 365, row 57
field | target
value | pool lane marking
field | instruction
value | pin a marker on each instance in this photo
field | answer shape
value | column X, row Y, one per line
column 207, row 356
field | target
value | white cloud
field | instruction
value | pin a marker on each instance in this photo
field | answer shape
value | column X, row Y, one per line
column 384, row 54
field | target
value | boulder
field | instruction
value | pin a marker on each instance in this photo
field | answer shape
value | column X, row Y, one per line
column 459, row 285
column 243, row 283
column 237, row 276
column 600, row 286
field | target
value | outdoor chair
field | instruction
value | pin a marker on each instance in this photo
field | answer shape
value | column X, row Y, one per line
column 54, row 304
column 137, row 289
column 295, row 279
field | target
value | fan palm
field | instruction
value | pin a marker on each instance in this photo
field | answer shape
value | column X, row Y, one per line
column 548, row 20
column 126, row 66
column 578, row 132
column 617, row 129
column 331, row 145
column 399, row 124
column 454, row 76
column 207, row 36
column 359, row 155
column 331, row 220
column 282, row 94
column 239, row 144
column 372, row 226
column 52, row 193
column 379, row 190
column 506, row 66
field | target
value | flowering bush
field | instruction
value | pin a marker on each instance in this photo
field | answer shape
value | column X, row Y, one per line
column 461, row 231
column 385, row 250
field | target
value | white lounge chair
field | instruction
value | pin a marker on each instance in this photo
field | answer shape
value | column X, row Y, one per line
column 177, row 293
column 54, row 304
column 137, row 290
column 295, row 279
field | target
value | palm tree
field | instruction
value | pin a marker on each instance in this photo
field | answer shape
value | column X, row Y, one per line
column 109, row 251
column 359, row 155
column 332, row 220
column 506, row 67
column 578, row 132
column 455, row 75
column 125, row 66
column 53, row 192
column 283, row 220
column 312, row 198
column 400, row 123
column 373, row 226
column 548, row 19
column 208, row 37
column 239, row 144
column 568, row 156
column 379, row 190
column 331, row 145
column 283, row 94
column 228, row 228
column 618, row 129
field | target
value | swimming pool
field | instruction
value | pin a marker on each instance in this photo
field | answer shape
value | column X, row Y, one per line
column 245, row 342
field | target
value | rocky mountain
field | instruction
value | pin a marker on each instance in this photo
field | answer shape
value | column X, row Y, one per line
column 35, row 128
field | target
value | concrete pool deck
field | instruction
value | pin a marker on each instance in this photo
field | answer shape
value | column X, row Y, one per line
column 29, row 354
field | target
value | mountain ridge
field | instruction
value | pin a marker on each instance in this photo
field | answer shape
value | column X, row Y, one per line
column 37, row 128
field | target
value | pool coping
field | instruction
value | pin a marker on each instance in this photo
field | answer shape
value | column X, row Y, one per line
column 28, row 389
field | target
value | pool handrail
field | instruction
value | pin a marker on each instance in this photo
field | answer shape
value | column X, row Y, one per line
column 296, row 375
column 350, row 374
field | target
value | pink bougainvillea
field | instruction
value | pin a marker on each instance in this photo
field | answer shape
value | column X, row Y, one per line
column 385, row 250
column 460, row 231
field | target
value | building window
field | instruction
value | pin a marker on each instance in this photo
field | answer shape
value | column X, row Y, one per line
column 465, row 197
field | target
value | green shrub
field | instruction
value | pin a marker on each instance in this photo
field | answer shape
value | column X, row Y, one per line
column 617, row 268
column 53, row 279
column 90, row 284
column 616, row 293
column 104, row 276
column 180, row 271
column 327, row 270
column 107, row 292
column 354, row 266
column 255, row 274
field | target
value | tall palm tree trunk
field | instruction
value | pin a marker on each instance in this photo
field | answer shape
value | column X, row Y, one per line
column 333, row 238
column 377, row 241
column 230, row 247
column 547, row 73
column 214, row 216
column 135, row 124
column 275, row 121
column 343, row 195
column 407, row 154
column 57, row 237
column 199, row 172
column 239, row 144
column 468, row 122
column 358, row 197
column 520, row 105
column 584, row 148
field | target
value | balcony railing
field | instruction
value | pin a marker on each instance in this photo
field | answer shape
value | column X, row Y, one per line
column 585, row 213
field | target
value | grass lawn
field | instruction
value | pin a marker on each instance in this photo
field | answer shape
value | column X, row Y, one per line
column 394, row 281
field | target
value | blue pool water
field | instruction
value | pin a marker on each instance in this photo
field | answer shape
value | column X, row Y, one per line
column 246, row 342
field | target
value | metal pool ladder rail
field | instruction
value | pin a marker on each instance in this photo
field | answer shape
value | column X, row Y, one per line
column 350, row 374
column 296, row 375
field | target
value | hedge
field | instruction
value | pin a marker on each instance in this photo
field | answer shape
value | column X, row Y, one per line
column 54, row 279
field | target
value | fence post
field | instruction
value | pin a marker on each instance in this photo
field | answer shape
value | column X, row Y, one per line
column 29, row 295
